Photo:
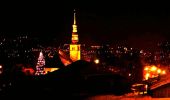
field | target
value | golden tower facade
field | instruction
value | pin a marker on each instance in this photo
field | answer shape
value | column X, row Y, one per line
column 75, row 50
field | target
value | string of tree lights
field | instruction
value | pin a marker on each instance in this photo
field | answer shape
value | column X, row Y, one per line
column 40, row 65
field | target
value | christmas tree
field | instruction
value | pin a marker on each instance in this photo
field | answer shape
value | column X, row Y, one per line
column 40, row 65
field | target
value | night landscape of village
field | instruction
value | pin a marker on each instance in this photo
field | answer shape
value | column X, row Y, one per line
column 85, row 53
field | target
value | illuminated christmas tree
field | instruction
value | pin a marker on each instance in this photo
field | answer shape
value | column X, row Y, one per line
column 40, row 65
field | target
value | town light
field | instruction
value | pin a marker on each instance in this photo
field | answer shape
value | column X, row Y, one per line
column 159, row 71
column 146, row 68
column 153, row 68
column 163, row 72
column 153, row 71
column 1, row 69
column 96, row 61
column 147, row 76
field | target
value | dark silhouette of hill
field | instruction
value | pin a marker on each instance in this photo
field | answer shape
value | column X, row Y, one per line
column 77, row 68
column 77, row 80
column 82, row 76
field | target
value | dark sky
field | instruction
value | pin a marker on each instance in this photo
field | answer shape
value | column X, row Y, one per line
column 136, row 26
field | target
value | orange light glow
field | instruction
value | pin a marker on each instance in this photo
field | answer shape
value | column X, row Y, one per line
column 146, row 86
column 147, row 76
column 28, row 71
column 153, row 68
column 96, row 61
column 74, row 24
column 146, row 68
column 74, row 28
column 50, row 70
column 159, row 71
column 152, row 71
column 163, row 72
column 75, row 52
column 74, row 47
column 65, row 59
column 74, row 38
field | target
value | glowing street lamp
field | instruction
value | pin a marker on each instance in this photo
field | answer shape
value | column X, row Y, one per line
column 159, row 71
column 96, row 61
column 1, row 69
column 163, row 72
column 0, row 66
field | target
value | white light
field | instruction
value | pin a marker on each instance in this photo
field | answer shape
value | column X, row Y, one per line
column 96, row 61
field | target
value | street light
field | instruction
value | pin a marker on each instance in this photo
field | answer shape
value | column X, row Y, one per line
column 96, row 61
column 163, row 72
column 1, row 69
column 159, row 71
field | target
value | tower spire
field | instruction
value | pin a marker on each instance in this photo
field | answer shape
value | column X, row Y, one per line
column 74, row 23
column 74, row 17
column 74, row 46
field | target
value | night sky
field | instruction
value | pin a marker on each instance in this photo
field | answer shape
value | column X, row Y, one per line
column 135, row 26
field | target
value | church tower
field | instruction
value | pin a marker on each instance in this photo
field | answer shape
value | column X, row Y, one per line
column 75, row 53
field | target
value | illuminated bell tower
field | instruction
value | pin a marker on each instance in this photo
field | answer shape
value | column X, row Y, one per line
column 74, row 46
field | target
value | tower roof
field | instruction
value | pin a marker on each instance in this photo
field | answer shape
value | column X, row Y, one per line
column 74, row 17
